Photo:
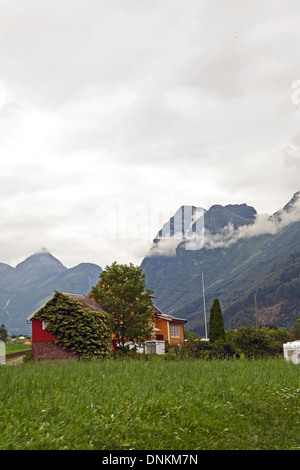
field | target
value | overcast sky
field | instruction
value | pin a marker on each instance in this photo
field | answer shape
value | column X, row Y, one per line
column 114, row 113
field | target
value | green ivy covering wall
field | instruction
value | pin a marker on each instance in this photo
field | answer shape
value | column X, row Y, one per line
column 86, row 332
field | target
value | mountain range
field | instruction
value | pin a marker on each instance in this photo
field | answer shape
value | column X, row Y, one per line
column 249, row 261
column 32, row 282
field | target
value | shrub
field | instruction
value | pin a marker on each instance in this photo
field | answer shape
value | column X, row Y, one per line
column 256, row 343
column 170, row 355
column 28, row 357
column 203, row 349
column 223, row 350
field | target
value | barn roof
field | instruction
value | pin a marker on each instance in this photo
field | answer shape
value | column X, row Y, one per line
column 85, row 301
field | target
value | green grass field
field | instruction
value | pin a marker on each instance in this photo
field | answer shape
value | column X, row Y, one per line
column 16, row 346
column 150, row 405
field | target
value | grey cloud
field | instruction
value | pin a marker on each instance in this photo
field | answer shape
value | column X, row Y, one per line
column 263, row 224
column 50, row 51
column 174, row 101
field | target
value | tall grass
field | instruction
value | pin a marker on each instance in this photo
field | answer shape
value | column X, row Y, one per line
column 150, row 405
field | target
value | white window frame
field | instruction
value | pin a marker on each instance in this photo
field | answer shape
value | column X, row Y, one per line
column 175, row 330
column 44, row 325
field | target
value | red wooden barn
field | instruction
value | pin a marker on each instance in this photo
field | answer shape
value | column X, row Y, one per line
column 43, row 345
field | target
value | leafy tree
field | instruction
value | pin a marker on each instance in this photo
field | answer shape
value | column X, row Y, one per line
column 121, row 292
column 3, row 333
column 216, row 322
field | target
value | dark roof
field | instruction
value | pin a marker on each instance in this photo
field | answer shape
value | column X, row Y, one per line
column 85, row 301
column 167, row 317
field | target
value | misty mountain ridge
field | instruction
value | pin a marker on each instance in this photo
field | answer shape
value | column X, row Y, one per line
column 221, row 225
column 240, row 248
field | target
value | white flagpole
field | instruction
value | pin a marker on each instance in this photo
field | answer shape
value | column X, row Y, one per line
column 204, row 307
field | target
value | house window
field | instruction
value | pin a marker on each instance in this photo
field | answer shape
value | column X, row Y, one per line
column 175, row 330
column 44, row 325
column 159, row 337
